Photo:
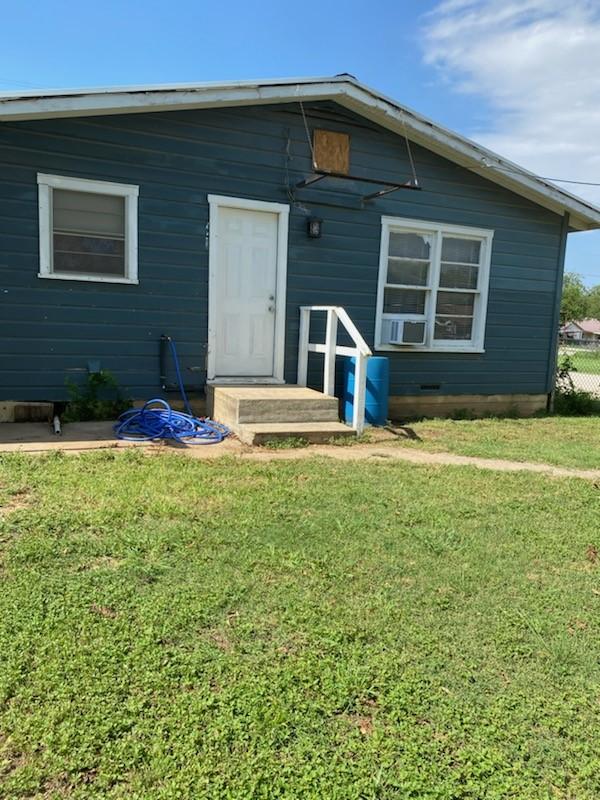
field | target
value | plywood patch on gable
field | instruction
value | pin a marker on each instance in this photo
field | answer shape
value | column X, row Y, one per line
column 332, row 151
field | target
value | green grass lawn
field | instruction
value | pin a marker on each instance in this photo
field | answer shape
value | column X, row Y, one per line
column 584, row 360
column 306, row 629
column 564, row 441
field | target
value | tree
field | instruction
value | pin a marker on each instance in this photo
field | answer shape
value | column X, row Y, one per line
column 593, row 304
column 575, row 298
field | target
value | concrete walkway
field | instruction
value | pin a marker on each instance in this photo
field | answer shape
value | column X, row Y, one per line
column 79, row 437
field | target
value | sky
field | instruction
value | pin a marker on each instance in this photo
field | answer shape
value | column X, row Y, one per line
column 521, row 77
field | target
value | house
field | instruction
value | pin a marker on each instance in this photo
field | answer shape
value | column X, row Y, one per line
column 587, row 330
column 213, row 213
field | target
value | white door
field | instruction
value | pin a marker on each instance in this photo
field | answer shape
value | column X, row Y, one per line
column 244, row 292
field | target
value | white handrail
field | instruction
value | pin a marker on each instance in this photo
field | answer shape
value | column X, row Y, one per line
column 330, row 349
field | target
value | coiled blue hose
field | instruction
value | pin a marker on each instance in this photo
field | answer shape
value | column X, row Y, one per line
column 157, row 420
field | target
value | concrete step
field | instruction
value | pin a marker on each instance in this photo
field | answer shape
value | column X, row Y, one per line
column 242, row 405
column 312, row 432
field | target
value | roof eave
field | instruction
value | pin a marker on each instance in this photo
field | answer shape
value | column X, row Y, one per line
column 135, row 99
column 478, row 159
column 343, row 89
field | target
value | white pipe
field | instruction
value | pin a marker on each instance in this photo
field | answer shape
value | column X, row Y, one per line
column 56, row 425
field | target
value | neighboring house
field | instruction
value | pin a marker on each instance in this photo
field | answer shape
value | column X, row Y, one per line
column 128, row 214
column 582, row 330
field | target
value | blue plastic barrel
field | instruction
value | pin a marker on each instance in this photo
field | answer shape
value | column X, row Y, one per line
column 378, row 389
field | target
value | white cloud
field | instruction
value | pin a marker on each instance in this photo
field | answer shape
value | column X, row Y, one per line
column 536, row 64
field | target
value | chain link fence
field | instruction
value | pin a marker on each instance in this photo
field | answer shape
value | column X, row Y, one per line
column 580, row 360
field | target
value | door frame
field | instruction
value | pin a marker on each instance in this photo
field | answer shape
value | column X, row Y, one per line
column 216, row 203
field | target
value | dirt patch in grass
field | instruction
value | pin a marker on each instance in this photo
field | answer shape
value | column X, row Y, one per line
column 57, row 787
column 220, row 640
column 16, row 500
column 363, row 723
column 11, row 759
column 364, row 717
column 103, row 611
column 102, row 562
column 591, row 553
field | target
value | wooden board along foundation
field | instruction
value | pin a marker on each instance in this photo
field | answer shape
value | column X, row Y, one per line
column 412, row 406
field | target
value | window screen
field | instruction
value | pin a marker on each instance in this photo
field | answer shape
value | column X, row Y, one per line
column 88, row 233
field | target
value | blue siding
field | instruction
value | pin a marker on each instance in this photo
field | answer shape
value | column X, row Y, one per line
column 49, row 330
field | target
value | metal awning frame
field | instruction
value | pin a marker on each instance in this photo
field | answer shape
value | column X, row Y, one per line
column 389, row 186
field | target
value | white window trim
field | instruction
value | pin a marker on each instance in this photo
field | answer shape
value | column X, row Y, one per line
column 437, row 229
column 46, row 183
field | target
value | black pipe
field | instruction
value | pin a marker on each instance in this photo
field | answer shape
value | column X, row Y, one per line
column 164, row 346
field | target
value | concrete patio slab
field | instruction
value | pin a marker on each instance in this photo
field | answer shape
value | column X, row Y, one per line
column 36, row 437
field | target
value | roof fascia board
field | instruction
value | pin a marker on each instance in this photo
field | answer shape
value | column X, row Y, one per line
column 140, row 101
column 478, row 159
column 175, row 87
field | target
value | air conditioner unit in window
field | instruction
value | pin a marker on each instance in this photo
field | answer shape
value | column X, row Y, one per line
column 407, row 331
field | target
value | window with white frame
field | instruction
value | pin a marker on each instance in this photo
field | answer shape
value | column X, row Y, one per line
column 433, row 285
column 88, row 229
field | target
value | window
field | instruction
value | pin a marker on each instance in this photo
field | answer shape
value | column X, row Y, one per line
column 433, row 282
column 88, row 230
